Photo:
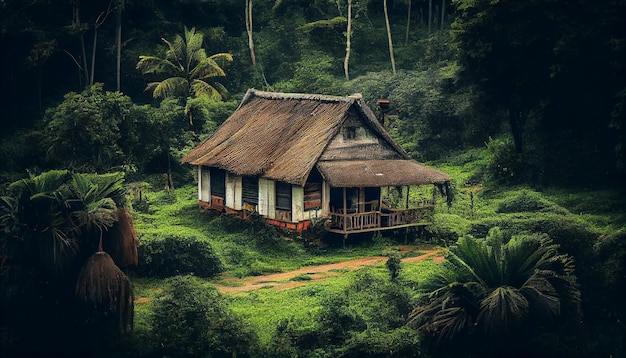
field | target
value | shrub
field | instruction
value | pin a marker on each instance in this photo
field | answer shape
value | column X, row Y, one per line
column 574, row 236
column 175, row 255
column 504, row 165
column 529, row 202
column 394, row 265
column 190, row 319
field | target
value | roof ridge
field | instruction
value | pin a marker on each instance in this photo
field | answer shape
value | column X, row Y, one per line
column 305, row 96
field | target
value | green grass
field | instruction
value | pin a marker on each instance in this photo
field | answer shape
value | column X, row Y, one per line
column 246, row 253
column 177, row 213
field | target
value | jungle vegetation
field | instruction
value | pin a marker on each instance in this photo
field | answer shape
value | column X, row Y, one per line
column 521, row 102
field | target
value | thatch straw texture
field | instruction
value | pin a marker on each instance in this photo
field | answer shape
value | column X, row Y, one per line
column 378, row 173
column 282, row 137
column 120, row 241
column 102, row 284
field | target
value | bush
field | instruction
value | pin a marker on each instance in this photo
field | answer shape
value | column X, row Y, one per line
column 190, row 319
column 175, row 255
column 394, row 265
column 504, row 164
column 574, row 236
column 529, row 202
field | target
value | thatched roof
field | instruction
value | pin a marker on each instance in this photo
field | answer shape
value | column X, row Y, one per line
column 282, row 136
column 378, row 173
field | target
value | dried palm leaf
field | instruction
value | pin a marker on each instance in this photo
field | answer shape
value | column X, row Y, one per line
column 120, row 241
column 102, row 284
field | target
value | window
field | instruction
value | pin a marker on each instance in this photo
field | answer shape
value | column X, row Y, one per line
column 250, row 190
column 349, row 133
column 283, row 196
column 218, row 182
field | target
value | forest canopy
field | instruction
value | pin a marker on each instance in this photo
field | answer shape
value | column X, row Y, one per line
column 547, row 76
column 521, row 102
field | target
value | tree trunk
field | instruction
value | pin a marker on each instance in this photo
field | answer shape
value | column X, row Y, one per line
column 443, row 12
column 430, row 15
column 393, row 60
column 93, row 55
column 249, row 31
column 348, row 34
column 99, row 21
column 517, row 121
column 408, row 24
column 118, row 44
column 76, row 23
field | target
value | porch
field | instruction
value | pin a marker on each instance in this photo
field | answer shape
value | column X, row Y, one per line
column 352, row 222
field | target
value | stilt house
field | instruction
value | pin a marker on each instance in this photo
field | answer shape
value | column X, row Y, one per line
column 292, row 158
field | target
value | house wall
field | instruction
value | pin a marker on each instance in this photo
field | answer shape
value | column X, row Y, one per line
column 325, row 212
column 204, row 184
column 297, row 203
column 267, row 198
column 233, row 191
column 356, row 141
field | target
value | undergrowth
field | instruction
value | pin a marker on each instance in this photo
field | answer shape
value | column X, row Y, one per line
column 574, row 219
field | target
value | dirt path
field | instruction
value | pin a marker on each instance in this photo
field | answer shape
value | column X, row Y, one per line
column 319, row 273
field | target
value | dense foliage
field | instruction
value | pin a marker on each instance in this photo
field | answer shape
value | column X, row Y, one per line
column 191, row 320
column 466, row 71
column 501, row 94
column 498, row 294
column 56, row 278
column 177, row 255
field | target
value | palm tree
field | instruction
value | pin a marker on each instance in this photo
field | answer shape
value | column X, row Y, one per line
column 49, row 224
column 189, row 67
column 498, row 288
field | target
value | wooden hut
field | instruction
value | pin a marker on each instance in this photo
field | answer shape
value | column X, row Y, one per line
column 293, row 158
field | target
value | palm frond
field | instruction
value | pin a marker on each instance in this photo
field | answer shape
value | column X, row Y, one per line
column 59, row 242
column 504, row 308
column 522, row 257
column 197, row 57
column 209, row 67
column 9, row 211
column 170, row 87
column 153, row 64
column 450, row 322
column 176, row 52
column 120, row 241
column 543, row 296
column 472, row 255
column 201, row 88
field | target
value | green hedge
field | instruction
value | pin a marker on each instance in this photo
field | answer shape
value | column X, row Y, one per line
column 573, row 235
column 175, row 255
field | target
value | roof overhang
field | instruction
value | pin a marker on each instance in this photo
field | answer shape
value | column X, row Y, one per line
column 378, row 173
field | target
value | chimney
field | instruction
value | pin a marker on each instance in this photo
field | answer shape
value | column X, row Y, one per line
column 383, row 105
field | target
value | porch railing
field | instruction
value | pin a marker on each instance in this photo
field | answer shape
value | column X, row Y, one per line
column 372, row 220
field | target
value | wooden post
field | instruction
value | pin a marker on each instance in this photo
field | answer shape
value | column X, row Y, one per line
column 345, row 212
column 408, row 189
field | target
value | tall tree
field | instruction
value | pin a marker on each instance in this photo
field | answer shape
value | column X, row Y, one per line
column 408, row 23
column 443, row 12
column 533, row 60
column 430, row 15
column 389, row 40
column 191, row 69
column 249, row 31
column 49, row 224
column 348, row 36
column 119, row 8
column 99, row 21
